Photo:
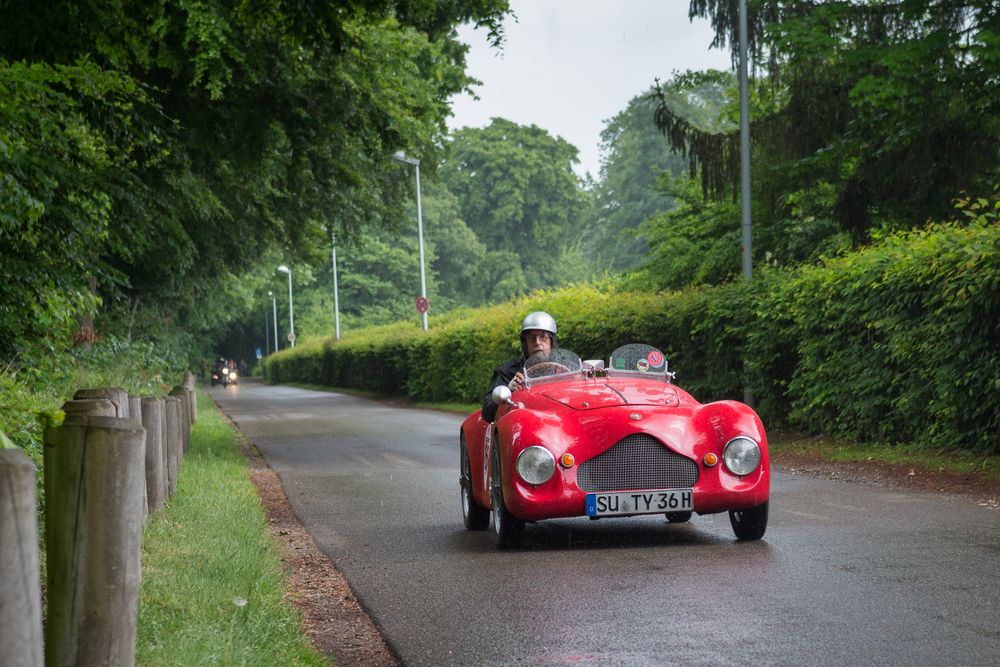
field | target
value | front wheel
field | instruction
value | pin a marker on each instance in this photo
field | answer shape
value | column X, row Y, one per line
column 508, row 527
column 474, row 516
column 749, row 524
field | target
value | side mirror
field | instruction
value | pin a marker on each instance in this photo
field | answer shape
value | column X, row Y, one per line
column 501, row 394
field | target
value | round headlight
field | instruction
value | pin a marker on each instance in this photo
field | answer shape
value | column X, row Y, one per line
column 535, row 465
column 741, row 455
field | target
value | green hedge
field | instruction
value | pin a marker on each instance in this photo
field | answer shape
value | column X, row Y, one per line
column 896, row 343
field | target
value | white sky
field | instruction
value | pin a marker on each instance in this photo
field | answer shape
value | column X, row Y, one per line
column 569, row 65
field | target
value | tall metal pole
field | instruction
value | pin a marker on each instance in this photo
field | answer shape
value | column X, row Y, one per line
column 274, row 320
column 745, row 146
column 267, row 331
column 336, row 297
column 748, row 397
column 291, row 310
column 420, row 236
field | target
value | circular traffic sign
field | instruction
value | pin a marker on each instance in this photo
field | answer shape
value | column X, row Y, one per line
column 422, row 304
column 291, row 338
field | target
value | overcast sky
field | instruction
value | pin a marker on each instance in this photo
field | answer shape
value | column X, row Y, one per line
column 569, row 65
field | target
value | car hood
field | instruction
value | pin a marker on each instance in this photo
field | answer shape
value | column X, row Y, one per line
column 611, row 393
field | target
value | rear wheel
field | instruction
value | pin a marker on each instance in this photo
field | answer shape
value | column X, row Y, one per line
column 474, row 516
column 749, row 524
column 508, row 527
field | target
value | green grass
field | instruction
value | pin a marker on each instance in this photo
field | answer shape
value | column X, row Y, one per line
column 212, row 586
column 836, row 450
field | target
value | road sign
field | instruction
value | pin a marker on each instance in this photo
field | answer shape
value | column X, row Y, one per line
column 259, row 354
column 422, row 304
column 291, row 338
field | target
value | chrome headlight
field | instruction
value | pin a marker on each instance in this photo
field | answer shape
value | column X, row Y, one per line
column 741, row 455
column 535, row 465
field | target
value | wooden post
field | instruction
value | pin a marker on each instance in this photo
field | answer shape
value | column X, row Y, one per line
column 94, row 470
column 183, row 393
column 20, row 585
column 135, row 412
column 156, row 479
column 172, row 443
column 189, row 382
column 117, row 396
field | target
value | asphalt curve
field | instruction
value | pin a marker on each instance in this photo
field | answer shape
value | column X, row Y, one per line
column 847, row 574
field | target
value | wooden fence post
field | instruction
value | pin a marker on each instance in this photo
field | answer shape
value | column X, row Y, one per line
column 94, row 470
column 156, row 476
column 183, row 393
column 135, row 412
column 172, row 443
column 20, row 585
column 189, row 382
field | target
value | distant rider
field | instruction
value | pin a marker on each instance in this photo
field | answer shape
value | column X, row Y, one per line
column 538, row 334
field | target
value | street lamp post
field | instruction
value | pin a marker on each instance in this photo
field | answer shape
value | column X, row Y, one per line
column 400, row 156
column 274, row 320
column 748, row 397
column 745, row 146
column 291, row 310
column 336, row 297
column 267, row 330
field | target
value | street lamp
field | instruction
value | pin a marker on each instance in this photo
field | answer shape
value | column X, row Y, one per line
column 400, row 156
column 291, row 310
column 745, row 171
column 336, row 298
column 274, row 320
column 267, row 330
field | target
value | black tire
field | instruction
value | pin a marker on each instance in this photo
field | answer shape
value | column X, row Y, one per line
column 474, row 516
column 749, row 524
column 679, row 517
column 508, row 528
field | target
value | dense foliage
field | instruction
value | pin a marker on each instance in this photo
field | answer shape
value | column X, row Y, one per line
column 151, row 150
column 517, row 192
column 892, row 344
column 869, row 115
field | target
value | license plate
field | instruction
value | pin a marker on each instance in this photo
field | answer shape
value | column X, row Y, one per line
column 639, row 502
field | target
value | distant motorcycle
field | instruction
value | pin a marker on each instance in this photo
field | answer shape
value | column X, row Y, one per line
column 224, row 376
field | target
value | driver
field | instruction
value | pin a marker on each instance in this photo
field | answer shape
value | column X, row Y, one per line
column 538, row 334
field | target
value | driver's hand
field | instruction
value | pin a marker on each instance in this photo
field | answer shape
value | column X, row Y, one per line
column 517, row 382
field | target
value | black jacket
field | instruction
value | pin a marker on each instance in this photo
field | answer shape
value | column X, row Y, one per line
column 502, row 375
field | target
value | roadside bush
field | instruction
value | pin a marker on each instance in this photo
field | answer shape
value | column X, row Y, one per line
column 895, row 343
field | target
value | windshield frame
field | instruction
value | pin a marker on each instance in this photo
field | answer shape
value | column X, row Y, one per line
column 562, row 356
column 638, row 360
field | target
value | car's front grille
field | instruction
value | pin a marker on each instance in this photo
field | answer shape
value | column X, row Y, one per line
column 637, row 462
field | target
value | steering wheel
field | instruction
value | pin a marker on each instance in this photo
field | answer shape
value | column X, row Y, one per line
column 555, row 366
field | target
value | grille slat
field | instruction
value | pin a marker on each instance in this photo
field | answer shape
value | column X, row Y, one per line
column 634, row 463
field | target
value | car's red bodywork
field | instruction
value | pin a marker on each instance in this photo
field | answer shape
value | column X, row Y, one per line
column 585, row 415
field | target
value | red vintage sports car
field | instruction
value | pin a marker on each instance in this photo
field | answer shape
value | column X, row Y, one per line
column 585, row 439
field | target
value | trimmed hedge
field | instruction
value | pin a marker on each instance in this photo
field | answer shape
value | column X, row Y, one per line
column 895, row 343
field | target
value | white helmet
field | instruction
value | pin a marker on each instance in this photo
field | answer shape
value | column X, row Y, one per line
column 538, row 321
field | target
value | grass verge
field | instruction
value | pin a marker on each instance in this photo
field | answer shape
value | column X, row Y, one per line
column 213, row 591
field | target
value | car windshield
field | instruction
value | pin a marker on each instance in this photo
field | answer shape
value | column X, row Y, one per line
column 638, row 360
column 550, row 365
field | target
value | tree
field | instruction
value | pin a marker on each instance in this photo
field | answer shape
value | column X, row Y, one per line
column 517, row 192
column 635, row 155
column 261, row 125
column 887, row 109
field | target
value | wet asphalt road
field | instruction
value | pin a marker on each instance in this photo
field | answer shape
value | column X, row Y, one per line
column 847, row 574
